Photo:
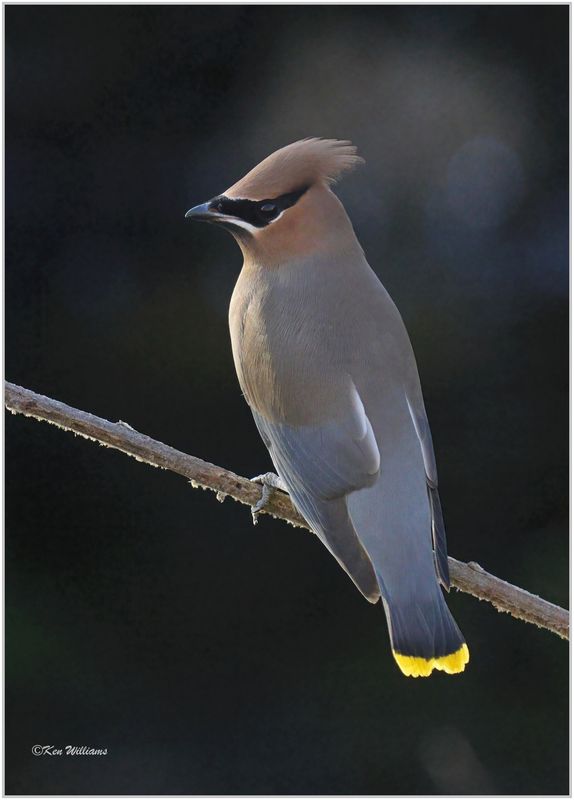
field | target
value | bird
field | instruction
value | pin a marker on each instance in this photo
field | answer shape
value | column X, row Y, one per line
column 326, row 365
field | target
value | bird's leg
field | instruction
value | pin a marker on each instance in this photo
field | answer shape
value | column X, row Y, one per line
column 269, row 481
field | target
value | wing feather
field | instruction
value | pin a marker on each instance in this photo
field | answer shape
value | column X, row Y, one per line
column 420, row 422
column 321, row 464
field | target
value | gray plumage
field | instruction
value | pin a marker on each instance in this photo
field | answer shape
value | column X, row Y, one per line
column 326, row 365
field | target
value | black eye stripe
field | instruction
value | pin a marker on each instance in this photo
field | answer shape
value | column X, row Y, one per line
column 258, row 213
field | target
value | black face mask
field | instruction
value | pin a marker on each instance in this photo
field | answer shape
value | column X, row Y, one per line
column 258, row 213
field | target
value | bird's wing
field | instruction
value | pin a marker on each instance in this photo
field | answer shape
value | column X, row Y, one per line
column 320, row 464
column 420, row 422
column 330, row 459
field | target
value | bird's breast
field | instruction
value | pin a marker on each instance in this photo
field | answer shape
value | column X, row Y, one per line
column 300, row 334
column 283, row 351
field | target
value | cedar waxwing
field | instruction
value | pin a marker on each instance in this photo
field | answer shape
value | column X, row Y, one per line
column 325, row 363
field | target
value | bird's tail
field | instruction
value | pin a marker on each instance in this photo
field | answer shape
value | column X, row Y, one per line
column 424, row 635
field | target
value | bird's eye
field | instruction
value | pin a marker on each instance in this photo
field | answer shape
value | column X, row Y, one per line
column 269, row 210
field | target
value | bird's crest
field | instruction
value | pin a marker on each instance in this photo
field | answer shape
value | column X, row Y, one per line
column 298, row 165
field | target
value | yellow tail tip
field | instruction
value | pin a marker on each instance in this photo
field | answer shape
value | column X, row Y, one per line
column 416, row 667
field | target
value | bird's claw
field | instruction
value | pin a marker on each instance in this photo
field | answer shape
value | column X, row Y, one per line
column 269, row 482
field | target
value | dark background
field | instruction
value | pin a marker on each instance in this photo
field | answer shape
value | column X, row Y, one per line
column 207, row 655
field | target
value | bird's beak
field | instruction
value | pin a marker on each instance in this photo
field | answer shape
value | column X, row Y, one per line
column 202, row 213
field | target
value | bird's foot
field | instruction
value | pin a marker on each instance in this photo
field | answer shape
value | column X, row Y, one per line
column 270, row 482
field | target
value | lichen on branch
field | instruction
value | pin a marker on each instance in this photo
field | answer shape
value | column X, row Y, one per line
column 470, row 578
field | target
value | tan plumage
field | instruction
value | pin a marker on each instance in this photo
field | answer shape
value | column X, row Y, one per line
column 303, row 163
column 326, row 365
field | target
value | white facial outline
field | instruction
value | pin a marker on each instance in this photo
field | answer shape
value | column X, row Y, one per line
column 240, row 223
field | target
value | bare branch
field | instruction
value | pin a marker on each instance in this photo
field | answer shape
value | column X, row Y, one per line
column 469, row 578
